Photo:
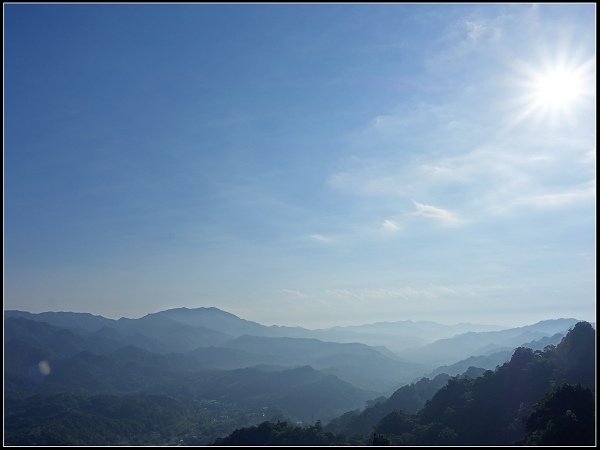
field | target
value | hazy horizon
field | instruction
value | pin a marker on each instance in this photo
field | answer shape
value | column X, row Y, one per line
column 291, row 324
column 302, row 165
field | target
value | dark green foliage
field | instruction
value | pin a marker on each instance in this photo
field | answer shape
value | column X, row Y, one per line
column 68, row 419
column 281, row 433
column 493, row 409
column 75, row 419
column 564, row 417
column 409, row 398
column 573, row 355
column 379, row 440
column 397, row 422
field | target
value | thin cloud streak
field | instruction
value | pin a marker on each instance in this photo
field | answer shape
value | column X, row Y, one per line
column 414, row 292
column 293, row 293
column 320, row 238
column 440, row 215
column 553, row 200
column 389, row 226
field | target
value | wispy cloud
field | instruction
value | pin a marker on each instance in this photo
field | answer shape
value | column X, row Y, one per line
column 479, row 182
column 389, row 226
column 294, row 293
column 552, row 200
column 320, row 238
column 431, row 292
column 440, row 215
column 475, row 29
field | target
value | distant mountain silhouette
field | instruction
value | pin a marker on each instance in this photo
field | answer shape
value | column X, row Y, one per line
column 373, row 368
column 172, row 335
column 538, row 397
column 448, row 351
column 491, row 360
column 215, row 371
column 185, row 329
column 69, row 320
column 302, row 392
column 53, row 341
column 424, row 331
column 215, row 319
column 359, row 364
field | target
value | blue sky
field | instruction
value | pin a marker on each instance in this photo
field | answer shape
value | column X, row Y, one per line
column 305, row 165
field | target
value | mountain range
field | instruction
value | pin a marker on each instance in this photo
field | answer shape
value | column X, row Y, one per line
column 543, row 397
column 239, row 368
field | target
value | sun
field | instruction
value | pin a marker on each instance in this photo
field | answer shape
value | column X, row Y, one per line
column 557, row 89
column 553, row 93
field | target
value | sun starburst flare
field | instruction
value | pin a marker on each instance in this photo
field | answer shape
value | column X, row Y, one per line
column 554, row 93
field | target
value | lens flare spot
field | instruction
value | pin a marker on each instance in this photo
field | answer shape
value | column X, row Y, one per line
column 44, row 367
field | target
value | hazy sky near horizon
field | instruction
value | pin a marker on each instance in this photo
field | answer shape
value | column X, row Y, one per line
column 305, row 165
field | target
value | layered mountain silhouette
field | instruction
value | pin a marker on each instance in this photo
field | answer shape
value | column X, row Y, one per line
column 461, row 346
column 538, row 397
column 219, row 372
column 494, row 358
